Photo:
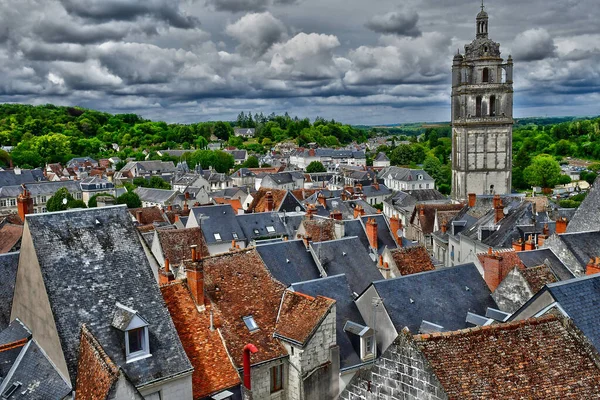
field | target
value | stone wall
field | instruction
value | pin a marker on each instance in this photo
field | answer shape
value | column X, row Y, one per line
column 261, row 381
column 401, row 373
column 512, row 292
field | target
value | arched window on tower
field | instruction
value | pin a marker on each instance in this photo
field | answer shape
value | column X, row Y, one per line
column 486, row 75
column 478, row 106
column 503, row 77
column 493, row 106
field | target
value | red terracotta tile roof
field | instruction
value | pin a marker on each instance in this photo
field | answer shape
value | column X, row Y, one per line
column 535, row 358
column 302, row 194
column 427, row 220
column 239, row 285
column 213, row 371
column 538, row 276
column 300, row 315
column 175, row 243
column 259, row 202
column 319, row 229
column 234, row 203
column 412, row 260
column 267, row 170
column 171, row 215
column 96, row 371
column 149, row 214
column 10, row 235
column 14, row 219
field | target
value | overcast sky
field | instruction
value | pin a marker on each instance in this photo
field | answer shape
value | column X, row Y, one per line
column 358, row 61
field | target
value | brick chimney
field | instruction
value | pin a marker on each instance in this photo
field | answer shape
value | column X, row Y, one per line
column 395, row 227
column 519, row 245
column 138, row 216
column 561, row 225
column 321, row 199
column 165, row 275
column 493, row 270
column 530, row 244
column 422, row 210
column 194, row 252
column 444, row 227
column 358, row 212
column 499, row 210
column 593, row 266
column 371, row 226
column 24, row 203
column 311, row 210
column 336, row 215
column 194, row 273
column 375, row 184
column 270, row 203
column 472, row 199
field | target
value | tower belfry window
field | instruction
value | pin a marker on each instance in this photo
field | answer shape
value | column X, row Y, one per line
column 478, row 106
column 486, row 75
column 493, row 106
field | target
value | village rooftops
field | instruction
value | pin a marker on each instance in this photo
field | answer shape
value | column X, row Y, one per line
column 289, row 261
column 100, row 252
column 527, row 359
column 218, row 223
column 213, row 372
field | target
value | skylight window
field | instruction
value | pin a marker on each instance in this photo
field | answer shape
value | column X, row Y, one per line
column 235, row 235
column 270, row 229
column 250, row 323
column 256, row 231
column 217, row 236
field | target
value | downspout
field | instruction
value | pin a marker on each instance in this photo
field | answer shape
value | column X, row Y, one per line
column 248, row 349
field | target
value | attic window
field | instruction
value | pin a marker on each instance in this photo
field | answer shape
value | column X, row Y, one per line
column 135, row 328
column 250, row 323
column 270, row 229
column 217, row 236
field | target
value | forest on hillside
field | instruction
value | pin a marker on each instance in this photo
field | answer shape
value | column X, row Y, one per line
column 48, row 133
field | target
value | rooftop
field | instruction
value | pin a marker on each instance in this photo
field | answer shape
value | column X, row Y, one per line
column 412, row 260
column 212, row 369
column 175, row 243
column 512, row 361
column 289, row 261
column 301, row 315
column 587, row 216
column 319, row 229
column 538, row 276
column 8, row 270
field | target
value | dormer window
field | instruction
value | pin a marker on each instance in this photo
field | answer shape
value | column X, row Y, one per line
column 366, row 337
column 135, row 329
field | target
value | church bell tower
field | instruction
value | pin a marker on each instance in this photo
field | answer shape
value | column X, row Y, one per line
column 482, row 117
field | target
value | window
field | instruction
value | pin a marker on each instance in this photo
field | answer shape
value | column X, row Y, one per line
column 276, row 378
column 2, row 203
column 137, row 344
column 478, row 106
column 486, row 75
column 369, row 342
column 136, row 340
column 493, row 106
column 217, row 236
column 13, row 202
column 235, row 235
column 250, row 323
column 270, row 229
column 44, row 199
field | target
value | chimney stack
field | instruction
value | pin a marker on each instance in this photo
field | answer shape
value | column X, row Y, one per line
column 444, row 227
column 530, row 244
column 310, row 211
column 170, row 207
column 194, row 247
column 24, row 203
column 195, row 278
column 165, row 275
column 138, row 216
column 358, row 211
column 561, row 225
column 422, row 210
column 395, row 227
column 269, row 202
column 336, row 215
column 499, row 210
column 593, row 266
column 472, row 199
column 372, row 232
column 493, row 270
column 519, row 245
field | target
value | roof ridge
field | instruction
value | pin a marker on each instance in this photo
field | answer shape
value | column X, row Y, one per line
column 74, row 210
column 488, row 328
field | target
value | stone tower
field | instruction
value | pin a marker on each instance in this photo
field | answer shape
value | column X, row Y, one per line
column 482, row 111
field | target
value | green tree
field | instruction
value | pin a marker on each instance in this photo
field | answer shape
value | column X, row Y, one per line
column 131, row 199
column 401, row 155
column 222, row 130
column 315, row 166
column 251, row 162
column 63, row 200
column 544, row 171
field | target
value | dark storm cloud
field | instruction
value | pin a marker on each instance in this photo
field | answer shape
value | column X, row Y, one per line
column 313, row 58
column 118, row 10
column 395, row 23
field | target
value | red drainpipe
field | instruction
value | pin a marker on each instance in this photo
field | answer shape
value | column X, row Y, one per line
column 249, row 348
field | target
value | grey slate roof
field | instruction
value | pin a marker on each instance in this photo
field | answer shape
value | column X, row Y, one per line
column 289, row 261
column 587, row 216
column 155, row 195
column 40, row 189
column 219, row 219
column 384, row 236
column 404, row 174
column 336, row 287
column 371, row 191
column 9, row 178
column 255, row 225
column 580, row 299
column 583, row 246
column 347, row 256
column 381, row 157
column 534, row 258
column 30, row 367
column 439, row 296
column 99, row 250
column 8, row 270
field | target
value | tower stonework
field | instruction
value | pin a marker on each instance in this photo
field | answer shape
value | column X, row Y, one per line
column 482, row 117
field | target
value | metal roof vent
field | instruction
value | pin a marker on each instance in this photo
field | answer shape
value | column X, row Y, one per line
column 467, row 288
column 411, row 301
column 287, row 260
column 97, row 222
column 344, row 253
